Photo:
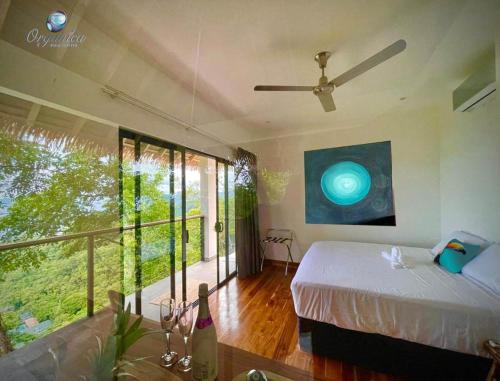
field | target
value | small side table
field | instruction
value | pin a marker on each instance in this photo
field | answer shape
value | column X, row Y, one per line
column 495, row 355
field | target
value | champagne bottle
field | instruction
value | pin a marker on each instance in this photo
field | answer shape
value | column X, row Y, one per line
column 204, row 341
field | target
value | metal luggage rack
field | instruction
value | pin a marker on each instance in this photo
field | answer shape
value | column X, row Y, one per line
column 277, row 237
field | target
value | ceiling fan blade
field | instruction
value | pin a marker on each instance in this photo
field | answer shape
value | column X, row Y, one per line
column 371, row 62
column 326, row 100
column 283, row 88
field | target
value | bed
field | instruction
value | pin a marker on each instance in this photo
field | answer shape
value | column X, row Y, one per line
column 346, row 290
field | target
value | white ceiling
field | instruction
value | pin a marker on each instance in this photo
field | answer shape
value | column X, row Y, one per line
column 219, row 50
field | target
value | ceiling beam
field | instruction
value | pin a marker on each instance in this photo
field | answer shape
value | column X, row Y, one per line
column 77, row 128
column 33, row 113
column 112, row 133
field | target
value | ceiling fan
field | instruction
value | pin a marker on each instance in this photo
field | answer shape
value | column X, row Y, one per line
column 324, row 88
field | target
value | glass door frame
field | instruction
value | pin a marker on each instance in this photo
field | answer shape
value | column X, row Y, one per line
column 225, row 225
column 172, row 147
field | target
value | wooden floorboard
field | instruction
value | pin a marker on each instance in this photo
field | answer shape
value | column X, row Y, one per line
column 257, row 315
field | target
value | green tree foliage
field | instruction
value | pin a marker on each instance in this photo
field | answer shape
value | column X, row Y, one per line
column 52, row 191
column 74, row 191
column 5, row 343
column 51, row 188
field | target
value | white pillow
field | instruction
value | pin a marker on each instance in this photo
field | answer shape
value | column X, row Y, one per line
column 485, row 268
column 463, row 237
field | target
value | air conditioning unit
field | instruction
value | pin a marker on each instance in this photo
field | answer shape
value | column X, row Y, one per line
column 477, row 89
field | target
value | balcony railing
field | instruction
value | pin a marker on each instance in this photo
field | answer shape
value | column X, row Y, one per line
column 91, row 237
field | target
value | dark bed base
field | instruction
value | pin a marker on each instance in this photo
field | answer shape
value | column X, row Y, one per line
column 389, row 355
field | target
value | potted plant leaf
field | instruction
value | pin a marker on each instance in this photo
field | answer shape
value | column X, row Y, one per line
column 108, row 361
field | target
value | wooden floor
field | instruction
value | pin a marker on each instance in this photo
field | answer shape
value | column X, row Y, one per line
column 257, row 315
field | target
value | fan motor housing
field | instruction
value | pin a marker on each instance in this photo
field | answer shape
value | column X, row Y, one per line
column 323, row 89
column 323, row 86
column 322, row 58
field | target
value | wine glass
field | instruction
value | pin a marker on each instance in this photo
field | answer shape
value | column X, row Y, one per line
column 168, row 319
column 185, row 313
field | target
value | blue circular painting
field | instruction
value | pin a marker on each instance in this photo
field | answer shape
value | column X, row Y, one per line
column 346, row 183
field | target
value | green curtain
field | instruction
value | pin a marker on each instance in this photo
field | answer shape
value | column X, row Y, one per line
column 247, row 214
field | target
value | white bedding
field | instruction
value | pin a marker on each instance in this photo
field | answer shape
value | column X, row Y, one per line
column 350, row 285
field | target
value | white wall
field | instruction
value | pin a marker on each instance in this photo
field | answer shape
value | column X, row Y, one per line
column 415, row 158
column 470, row 167
column 470, row 172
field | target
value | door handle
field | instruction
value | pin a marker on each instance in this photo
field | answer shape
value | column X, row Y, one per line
column 219, row 227
column 187, row 236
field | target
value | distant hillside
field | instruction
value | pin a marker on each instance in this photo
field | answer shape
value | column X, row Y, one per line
column 190, row 203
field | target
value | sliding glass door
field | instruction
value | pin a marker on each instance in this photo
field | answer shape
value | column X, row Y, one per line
column 177, row 222
column 152, row 205
column 225, row 225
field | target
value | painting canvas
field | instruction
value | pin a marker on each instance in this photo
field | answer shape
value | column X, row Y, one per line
column 350, row 185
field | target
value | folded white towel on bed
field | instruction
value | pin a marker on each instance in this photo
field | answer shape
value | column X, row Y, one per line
column 395, row 258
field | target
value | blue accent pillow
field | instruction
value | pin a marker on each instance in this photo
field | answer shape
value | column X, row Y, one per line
column 456, row 255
